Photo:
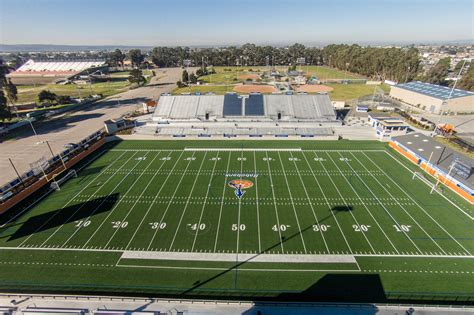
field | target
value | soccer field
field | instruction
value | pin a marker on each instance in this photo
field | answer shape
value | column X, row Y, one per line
column 229, row 218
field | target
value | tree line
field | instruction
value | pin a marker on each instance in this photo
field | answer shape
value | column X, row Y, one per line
column 398, row 64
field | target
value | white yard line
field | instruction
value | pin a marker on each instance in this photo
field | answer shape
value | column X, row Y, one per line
column 274, row 203
column 187, row 202
column 222, row 203
column 430, row 185
column 327, row 203
column 139, row 197
column 337, row 150
column 205, row 200
column 400, row 205
column 72, row 199
column 115, row 206
column 171, row 200
column 154, row 199
column 292, row 203
column 383, row 206
column 363, row 203
column 310, row 203
column 418, row 205
column 145, row 150
column 243, row 149
column 121, row 251
column 239, row 209
column 346, row 204
column 256, row 202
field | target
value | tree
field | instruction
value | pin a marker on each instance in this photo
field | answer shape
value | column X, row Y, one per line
column 136, row 57
column 180, row 84
column 116, row 58
column 192, row 78
column 438, row 73
column 11, row 92
column 63, row 99
column 46, row 98
column 136, row 76
column 185, row 76
column 467, row 80
column 4, row 109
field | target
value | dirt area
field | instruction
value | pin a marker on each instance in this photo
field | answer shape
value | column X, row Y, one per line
column 255, row 88
column 313, row 88
column 250, row 76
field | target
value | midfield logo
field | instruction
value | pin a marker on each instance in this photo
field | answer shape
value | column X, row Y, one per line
column 239, row 185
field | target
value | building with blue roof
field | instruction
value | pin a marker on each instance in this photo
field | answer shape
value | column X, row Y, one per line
column 434, row 98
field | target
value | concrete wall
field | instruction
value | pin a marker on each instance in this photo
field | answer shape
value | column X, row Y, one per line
column 461, row 104
column 414, row 99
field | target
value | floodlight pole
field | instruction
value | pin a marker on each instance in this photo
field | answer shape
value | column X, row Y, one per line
column 449, row 96
column 33, row 128
column 16, row 171
column 51, row 150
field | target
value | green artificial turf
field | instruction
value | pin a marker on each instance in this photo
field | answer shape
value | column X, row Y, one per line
column 326, row 199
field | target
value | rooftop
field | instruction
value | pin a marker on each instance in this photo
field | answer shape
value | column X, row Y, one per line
column 442, row 157
column 433, row 90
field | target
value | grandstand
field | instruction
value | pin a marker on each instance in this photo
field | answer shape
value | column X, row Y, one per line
column 252, row 115
column 52, row 70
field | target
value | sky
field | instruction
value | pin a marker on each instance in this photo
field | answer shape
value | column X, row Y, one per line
column 224, row 22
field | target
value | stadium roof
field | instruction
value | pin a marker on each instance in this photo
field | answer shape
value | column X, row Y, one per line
column 433, row 90
column 57, row 66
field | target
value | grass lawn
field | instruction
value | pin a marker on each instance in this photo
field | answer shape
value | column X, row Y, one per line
column 228, row 77
column 320, row 220
column 218, row 89
column 29, row 93
column 347, row 92
column 325, row 73
column 341, row 92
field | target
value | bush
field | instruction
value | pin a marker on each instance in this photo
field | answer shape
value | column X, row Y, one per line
column 180, row 84
column 63, row 99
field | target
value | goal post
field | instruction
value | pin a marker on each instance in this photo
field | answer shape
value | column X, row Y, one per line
column 56, row 183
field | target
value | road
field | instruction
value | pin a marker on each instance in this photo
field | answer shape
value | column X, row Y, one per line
column 74, row 126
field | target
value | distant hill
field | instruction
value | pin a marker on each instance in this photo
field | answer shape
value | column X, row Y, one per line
column 46, row 48
column 73, row 48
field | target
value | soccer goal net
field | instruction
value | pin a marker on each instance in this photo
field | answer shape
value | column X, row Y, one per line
column 56, row 183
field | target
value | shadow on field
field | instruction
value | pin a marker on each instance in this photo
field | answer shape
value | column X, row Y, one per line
column 341, row 287
column 284, row 239
column 89, row 171
column 55, row 218
column 342, row 208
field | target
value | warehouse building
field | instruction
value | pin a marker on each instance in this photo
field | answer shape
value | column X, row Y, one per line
column 434, row 98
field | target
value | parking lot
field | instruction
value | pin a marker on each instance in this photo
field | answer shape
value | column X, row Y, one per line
column 26, row 148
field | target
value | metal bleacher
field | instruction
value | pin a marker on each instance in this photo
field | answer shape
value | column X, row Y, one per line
column 232, row 105
column 254, row 105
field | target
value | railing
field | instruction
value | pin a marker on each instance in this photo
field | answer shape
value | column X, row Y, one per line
column 37, row 177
